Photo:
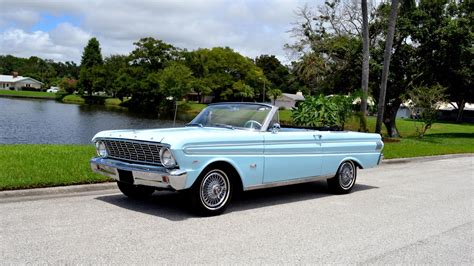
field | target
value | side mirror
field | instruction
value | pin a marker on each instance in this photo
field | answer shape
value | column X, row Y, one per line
column 275, row 128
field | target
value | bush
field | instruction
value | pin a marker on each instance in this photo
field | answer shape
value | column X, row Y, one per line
column 322, row 111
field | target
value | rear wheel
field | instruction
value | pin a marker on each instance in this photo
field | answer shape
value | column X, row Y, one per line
column 212, row 192
column 134, row 191
column 345, row 178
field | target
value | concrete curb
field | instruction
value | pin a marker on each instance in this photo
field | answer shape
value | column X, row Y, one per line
column 426, row 158
column 77, row 189
column 51, row 191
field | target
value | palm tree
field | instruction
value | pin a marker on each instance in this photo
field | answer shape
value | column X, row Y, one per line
column 386, row 63
column 365, row 63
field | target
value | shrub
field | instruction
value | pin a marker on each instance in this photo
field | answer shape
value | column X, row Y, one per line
column 322, row 111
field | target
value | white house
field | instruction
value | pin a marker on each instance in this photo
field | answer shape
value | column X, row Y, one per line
column 18, row 82
column 288, row 100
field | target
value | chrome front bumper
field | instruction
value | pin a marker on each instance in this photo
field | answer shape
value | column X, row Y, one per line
column 146, row 175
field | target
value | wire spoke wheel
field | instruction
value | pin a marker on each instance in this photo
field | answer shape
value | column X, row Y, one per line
column 345, row 178
column 214, row 190
column 347, row 175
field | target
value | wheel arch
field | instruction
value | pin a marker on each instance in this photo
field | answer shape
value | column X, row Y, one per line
column 357, row 163
column 230, row 169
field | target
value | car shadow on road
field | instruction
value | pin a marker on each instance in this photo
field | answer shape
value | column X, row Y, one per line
column 175, row 206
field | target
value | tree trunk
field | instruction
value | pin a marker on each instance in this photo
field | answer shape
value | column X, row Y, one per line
column 389, row 118
column 365, row 60
column 461, row 104
column 386, row 63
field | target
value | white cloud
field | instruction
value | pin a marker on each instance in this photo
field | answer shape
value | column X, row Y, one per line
column 66, row 34
column 250, row 27
column 20, row 43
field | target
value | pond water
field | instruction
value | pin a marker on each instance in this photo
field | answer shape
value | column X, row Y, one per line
column 46, row 121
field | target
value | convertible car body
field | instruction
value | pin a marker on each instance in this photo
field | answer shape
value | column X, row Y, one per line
column 230, row 147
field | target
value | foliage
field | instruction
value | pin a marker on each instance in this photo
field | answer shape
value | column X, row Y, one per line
column 90, row 73
column 175, row 80
column 153, row 54
column 277, row 74
column 324, row 111
column 432, row 44
column 218, row 69
column 274, row 94
column 68, row 85
column 318, row 111
column 345, row 108
column 425, row 103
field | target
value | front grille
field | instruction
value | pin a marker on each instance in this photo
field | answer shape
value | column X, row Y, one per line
column 134, row 151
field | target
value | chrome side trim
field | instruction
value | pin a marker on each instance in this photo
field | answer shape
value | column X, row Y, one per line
column 289, row 182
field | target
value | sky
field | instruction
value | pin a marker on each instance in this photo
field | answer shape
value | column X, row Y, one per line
column 59, row 29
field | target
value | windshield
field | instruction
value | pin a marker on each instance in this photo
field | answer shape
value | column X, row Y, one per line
column 244, row 116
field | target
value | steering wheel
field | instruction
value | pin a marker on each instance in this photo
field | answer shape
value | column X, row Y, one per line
column 253, row 124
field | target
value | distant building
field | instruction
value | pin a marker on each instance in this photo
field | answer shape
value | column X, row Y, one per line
column 15, row 82
column 288, row 100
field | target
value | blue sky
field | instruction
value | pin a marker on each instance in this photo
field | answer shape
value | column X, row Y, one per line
column 48, row 22
column 59, row 29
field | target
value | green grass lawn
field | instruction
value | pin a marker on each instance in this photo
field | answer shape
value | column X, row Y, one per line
column 32, row 165
column 113, row 101
column 72, row 98
column 442, row 138
column 28, row 94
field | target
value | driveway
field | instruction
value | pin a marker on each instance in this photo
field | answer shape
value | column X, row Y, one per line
column 415, row 212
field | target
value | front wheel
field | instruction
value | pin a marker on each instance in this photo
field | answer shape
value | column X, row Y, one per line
column 212, row 193
column 134, row 191
column 345, row 178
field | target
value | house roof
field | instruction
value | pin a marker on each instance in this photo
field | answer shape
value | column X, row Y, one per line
column 295, row 97
column 11, row 79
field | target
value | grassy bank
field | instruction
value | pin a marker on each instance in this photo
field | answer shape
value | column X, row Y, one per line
column 71, row 98
column 27, row 94
column 30, row 166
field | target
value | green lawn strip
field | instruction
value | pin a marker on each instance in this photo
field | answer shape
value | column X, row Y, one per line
column 28, row 94
column 113, row 101
column 40, row 165
column 72, row 98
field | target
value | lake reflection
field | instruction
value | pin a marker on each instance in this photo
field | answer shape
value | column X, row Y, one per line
column 46, row 121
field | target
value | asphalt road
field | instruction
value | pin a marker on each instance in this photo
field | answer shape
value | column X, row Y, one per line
column 416, row 212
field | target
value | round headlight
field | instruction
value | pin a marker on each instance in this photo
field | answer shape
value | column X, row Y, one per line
column 167, row 158
column 101, row 150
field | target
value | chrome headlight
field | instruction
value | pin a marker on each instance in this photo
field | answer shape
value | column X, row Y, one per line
column 101, row 149
column 167, row 158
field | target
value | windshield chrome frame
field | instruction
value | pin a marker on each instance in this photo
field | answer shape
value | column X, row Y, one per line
column 266, row 121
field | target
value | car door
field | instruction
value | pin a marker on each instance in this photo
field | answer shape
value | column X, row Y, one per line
column 291, row 155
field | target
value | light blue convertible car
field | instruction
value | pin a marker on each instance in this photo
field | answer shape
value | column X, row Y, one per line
column 231, row 147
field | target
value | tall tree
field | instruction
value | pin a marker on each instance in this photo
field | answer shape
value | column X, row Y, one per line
column 386, row 64
column 91, row 58
column 276, row 73
column 153, row 54
column 365, row 61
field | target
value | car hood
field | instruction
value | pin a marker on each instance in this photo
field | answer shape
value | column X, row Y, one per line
column 182, row 135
